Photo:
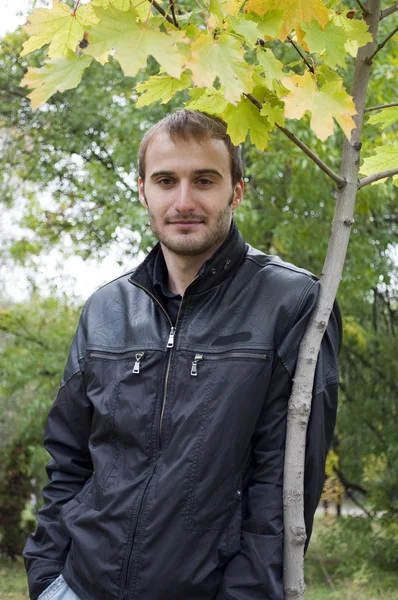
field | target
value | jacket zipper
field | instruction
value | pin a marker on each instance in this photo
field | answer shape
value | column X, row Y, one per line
column 200, row 357
column 169, row 346
column 137, row 355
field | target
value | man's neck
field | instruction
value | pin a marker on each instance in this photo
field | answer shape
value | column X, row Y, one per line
column 182, row 270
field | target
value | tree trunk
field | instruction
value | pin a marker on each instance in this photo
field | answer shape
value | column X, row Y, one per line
column 300, row 400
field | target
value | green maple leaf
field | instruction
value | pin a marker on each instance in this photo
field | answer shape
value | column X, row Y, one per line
column 244, row 118
column 356, row 30
column 274, row 114
column 57, row 75
column 207, row 100
column 58, row 26
column 385, row 117
column 329, row 43
column 384, row 159
column 143, row 9
column 330, row 102
column 222, row 58
column 270, row 24
column 220, row 9
column 119, row 4
column 161, row 87
column 247, row 27
column 271, row 66
column 133, row 42
column 295, row 13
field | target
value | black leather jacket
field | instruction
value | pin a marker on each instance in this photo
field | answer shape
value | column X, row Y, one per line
column 168, row 443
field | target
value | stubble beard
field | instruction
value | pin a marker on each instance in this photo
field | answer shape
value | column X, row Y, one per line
column 186, row 243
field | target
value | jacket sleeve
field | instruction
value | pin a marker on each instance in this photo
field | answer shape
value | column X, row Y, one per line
column 66, row 440
column 256, row 572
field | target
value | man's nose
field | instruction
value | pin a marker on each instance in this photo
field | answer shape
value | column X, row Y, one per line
column 185, row 201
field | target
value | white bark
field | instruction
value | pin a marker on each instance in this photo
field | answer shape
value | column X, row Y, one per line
column 300, row 400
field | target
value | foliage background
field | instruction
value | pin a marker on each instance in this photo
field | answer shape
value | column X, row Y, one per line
column 72, row 169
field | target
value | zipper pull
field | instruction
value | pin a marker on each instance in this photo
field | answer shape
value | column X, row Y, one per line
column 170, row 342
column 138, row 357
column 194, row 367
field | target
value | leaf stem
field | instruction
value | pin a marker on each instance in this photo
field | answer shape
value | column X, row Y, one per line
column 76, row 7
column 381, row 45
column 388, row 11
column 341, row 182
column 306, row 62
column 173, row 14
column 163, row 13
column 381, row 106
column 376, row 177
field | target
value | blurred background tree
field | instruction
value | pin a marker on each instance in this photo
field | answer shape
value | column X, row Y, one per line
column 71, row 170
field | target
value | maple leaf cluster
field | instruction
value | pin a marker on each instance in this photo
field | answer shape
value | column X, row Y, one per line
column 255, row 63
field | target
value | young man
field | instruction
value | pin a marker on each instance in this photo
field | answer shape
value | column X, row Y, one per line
column 168, row 432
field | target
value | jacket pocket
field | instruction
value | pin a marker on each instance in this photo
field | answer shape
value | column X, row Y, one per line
column 231, row 387
column 81, row 497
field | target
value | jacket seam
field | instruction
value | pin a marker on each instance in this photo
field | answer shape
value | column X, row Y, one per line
column 300, row 303
column 64, row 383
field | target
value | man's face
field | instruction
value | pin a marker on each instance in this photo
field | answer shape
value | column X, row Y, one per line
column 189, row 194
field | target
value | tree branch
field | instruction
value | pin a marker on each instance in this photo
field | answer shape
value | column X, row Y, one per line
column 376, row 177
column 361, row 6
column 381, row 106
column 323, row 166
column 306, row 62
column 380, row 46
column 349, row 485
column 163, row 13
column 388, row 11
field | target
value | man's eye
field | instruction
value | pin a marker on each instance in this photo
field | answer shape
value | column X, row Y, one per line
column 165, row 181
column 204, row 181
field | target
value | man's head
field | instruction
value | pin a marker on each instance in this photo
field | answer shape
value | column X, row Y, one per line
column 185, row 125
column 190, row 182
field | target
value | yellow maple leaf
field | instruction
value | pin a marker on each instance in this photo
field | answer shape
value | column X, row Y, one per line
column 330, row 102
column 295, row 12
column 59, row 26
column 57, row 75
column 133, row 42
column 222, row 58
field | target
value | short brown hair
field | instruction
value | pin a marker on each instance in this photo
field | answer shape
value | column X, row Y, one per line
column 192, row 124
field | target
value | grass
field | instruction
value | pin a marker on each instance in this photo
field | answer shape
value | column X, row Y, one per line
column 322, row 578
column 13, row 584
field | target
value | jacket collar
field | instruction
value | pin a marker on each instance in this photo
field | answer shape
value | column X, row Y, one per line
column 216, row 269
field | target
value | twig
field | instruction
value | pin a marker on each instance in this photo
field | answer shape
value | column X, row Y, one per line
column 380, row 46
column 293, row 43
column 76, row 7
column 381, row 106
column 327, row 576
column 323, row 166
column 173, row 14
column 376, row 177
column 164, row 14
column 388, row 11
column 361, row 6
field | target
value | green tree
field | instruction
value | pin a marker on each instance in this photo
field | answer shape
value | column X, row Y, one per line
column 35, row 337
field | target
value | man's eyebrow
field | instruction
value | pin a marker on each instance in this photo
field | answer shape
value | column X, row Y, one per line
column 196, row 172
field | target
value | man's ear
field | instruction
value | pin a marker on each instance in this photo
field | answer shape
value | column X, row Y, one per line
column 141, row 192
column 238, row 194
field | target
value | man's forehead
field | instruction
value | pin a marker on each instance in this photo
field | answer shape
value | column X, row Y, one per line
column 199, row 154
